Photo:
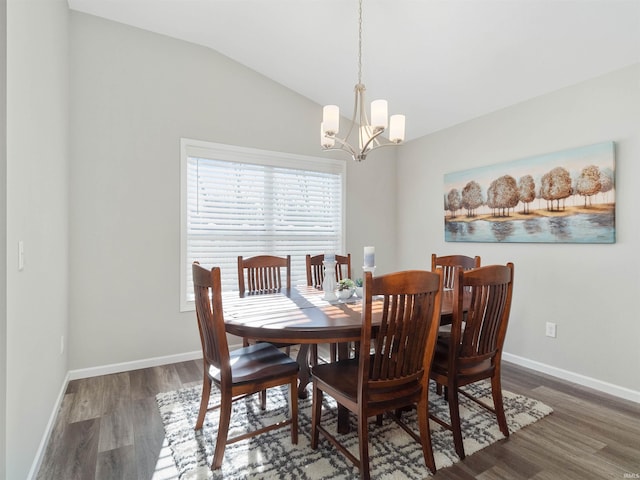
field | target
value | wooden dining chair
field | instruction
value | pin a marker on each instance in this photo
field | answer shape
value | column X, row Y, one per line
column 315, row 277
column 447, row 265
column 473, row 350
column 395, row 374
column 448, row 262
column 238, row 373
column 315, row 269
column 264, row 274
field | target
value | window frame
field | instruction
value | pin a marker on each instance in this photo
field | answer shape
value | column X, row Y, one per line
column 232, row 153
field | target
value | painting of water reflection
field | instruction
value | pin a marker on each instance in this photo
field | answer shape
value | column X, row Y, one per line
column 560, row 197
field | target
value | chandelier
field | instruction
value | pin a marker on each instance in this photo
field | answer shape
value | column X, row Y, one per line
column 369, row 133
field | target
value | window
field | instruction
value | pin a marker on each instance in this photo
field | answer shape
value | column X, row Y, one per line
column 240, row 201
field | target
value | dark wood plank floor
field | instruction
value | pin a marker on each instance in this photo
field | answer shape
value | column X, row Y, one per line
column 109, row 428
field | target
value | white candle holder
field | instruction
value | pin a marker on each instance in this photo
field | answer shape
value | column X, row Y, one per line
column 329, row 283
column 369, row 269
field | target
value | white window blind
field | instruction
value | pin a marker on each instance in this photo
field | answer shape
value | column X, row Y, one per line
column 239, row 201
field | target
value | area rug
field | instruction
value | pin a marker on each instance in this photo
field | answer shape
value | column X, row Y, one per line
column 393, row 453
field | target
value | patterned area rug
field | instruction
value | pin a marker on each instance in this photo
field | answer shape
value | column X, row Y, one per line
column 394, row 454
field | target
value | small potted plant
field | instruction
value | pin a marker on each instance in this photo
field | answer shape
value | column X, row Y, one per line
column 358, row 283
column 345, row 289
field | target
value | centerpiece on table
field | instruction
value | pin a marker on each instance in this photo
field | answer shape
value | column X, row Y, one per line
column 345, row 289
column 358, row 287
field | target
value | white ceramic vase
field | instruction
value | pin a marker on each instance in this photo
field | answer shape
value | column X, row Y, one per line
column 344, row 294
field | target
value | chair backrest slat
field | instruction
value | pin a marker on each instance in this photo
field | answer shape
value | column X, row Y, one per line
column 403, row 345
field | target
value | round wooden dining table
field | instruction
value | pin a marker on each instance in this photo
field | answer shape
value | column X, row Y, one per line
column 300, row 315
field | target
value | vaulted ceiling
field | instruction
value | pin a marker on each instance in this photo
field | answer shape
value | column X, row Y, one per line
column 440, row 62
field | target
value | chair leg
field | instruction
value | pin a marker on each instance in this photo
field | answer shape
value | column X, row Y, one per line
column 496, row 392
column 293, row 398
column 363, row 441
column 454, row 413
column 316, row 413
column 425, row 435
column 204, row 401
column 223, row 430
column 263, row 399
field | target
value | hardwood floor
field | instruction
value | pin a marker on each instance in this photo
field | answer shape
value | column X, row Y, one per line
column 109, row 427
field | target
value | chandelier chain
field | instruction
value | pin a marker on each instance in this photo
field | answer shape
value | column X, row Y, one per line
column 360, row 43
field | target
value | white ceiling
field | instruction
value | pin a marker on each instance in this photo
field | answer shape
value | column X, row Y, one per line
column 440, row 62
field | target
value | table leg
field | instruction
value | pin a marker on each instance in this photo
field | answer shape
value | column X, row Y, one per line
column 304, row 373
column 343, row 413
column 343, row 351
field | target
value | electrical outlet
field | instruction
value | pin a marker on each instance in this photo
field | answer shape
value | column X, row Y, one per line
column 551, row 330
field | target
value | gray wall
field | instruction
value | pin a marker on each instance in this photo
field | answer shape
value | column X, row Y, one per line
column 134, row 94
column 590, row 291
column 36, row 196
column 3, row 236
column 96, row 202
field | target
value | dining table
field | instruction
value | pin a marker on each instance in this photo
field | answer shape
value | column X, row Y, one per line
column 301, row 315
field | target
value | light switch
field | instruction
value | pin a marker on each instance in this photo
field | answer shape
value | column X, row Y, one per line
column 550, row 330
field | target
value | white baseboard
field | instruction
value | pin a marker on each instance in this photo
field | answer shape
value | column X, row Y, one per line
column 611, row 389
column 133, row 365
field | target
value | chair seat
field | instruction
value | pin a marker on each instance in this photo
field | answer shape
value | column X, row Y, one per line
column 341, row 375
column 445, row 330
column 471, row 368
column 261, row 361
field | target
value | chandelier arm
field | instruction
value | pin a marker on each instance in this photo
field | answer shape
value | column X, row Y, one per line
column 358, row 91
column 373, row 137
column 363, row 119
column 385, row 144
column 344, row 146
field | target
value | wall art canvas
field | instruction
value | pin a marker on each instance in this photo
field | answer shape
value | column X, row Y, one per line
column 560, row 197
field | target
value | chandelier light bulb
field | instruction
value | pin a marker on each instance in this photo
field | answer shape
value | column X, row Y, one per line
column 379, row 114
column 396, row 128
column 331, row 119
column 325, row 141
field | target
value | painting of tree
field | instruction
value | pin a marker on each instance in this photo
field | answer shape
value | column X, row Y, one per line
column 588, row 183
column 471, row 198
column 574, row 189
column 527, row 191
column 453, row 201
